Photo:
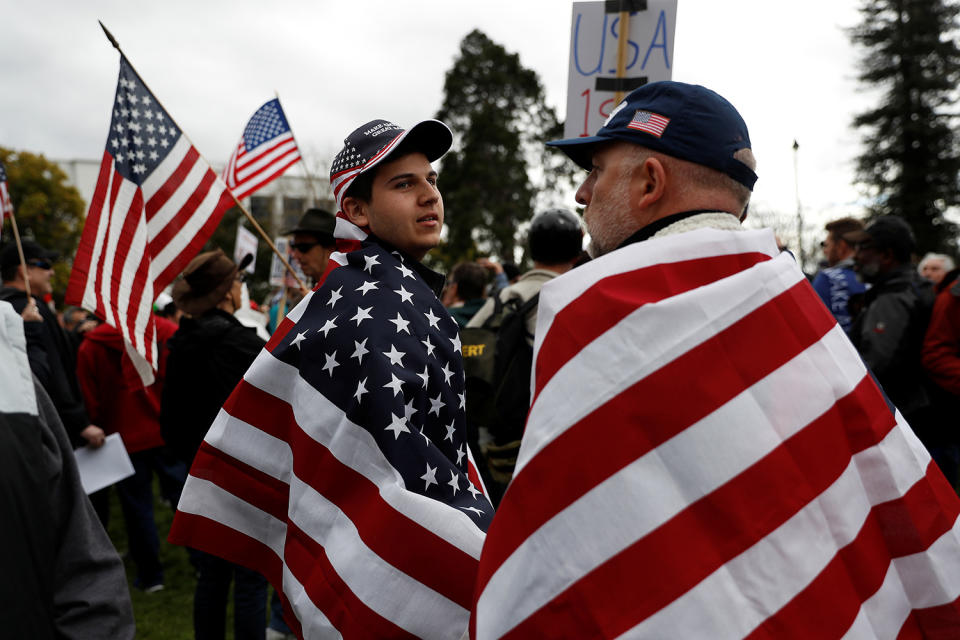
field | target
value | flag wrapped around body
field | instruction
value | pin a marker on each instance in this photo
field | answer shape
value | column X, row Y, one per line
column 707, row 457
column 339, row 467
column 266, row 149
column 155, row 204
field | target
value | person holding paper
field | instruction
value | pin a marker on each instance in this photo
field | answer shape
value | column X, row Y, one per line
column 116, row 399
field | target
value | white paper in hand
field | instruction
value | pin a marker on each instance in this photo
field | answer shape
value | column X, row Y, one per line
column 105, row 466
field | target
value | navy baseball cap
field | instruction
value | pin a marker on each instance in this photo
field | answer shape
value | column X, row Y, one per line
column 372, row 143
column 685, row 121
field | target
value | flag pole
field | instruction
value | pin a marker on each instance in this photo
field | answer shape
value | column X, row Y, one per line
column 306, row 169
column 622, row 40
column 242, row 208
column 23, row 261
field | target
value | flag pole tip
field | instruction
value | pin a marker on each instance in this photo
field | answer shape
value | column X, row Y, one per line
column 109, row 35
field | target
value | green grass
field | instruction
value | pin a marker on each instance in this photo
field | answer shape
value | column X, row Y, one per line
column 167, row 614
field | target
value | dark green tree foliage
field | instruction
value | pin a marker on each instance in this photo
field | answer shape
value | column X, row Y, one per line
column 910, row 162
column 47, row 209
column 498, row 166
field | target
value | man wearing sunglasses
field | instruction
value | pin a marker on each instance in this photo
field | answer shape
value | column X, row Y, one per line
column 48, row 348
column 313, row 241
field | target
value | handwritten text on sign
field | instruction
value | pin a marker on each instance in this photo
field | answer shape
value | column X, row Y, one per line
column 594, row 40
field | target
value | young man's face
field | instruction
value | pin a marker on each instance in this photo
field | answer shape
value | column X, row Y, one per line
column 405, row 207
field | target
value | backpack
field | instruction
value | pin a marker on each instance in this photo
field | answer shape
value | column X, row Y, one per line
column 497, row 360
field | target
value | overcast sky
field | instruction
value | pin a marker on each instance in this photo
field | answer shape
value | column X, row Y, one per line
column 788, row 68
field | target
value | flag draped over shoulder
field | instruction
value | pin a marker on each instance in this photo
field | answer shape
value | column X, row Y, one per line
column 155, row 204
column 707, row 457
column 339, row 467
column 266, row 149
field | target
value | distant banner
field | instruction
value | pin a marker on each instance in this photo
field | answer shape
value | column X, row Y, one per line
column 594, row 41
column 279, row 276
column 246, row 243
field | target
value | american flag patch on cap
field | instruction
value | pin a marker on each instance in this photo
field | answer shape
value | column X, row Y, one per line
column 652, row 123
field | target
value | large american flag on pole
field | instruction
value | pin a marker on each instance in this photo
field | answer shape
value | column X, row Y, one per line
column 707, row 457
column 339, row 467
column 155, row 204
column 266, row 149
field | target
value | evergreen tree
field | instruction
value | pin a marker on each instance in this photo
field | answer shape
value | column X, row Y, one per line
column 910, row 162
column 48, row 210
column 499, row 170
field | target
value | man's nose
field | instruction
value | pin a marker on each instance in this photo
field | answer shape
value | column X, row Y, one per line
column 429, row 194
column 584, row 193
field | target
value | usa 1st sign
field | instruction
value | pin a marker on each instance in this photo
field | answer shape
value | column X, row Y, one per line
column 594, row 42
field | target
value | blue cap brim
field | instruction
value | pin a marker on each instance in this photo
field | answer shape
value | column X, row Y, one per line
column 580, row 150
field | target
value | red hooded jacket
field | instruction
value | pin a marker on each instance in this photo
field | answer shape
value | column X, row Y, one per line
column 115, row 399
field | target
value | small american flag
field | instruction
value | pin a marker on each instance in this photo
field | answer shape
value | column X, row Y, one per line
column 650, row 122
column 155, row 204
column 339, row 467
column 707, row 457
column 266, row 149
column 6, row 205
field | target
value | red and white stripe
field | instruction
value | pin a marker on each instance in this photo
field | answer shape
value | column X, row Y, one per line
column 340, row 182
column 248, row 171
column 6, row 204
column 357, row 554
column 137, row 239
column 706, row 456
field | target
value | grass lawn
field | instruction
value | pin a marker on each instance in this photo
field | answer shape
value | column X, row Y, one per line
column 167, row 614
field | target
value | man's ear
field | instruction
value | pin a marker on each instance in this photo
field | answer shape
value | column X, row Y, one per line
column 356, row 211
column 650, row 180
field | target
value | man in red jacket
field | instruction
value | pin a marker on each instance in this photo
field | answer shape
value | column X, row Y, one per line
column 112, row 392
column 941, row 361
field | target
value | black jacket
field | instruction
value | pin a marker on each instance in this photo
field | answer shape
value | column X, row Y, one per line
column 208, row 356
column 889, row 332
column 53, row 360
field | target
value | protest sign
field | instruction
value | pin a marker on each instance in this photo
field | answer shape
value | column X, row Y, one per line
column 646, row 56
column 246, row 243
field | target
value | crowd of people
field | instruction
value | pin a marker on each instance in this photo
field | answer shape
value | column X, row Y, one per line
column 648, row 192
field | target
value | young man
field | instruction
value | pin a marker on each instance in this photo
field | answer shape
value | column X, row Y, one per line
column 706, row 455
column 358, row 498
column 837, row 283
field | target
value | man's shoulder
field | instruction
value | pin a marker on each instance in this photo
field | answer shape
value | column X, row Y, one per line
column 16, row 297
column 373, row 270
column 528, row 285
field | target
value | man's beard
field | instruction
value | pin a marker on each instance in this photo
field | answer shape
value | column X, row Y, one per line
column 868, row 271
column 609, row 221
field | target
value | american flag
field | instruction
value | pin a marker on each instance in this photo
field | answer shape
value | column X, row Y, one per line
column 6, row 205
column 155, row 204
column 266, row 149
column 339, row 467
column 707, row 457
column 650, row 122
